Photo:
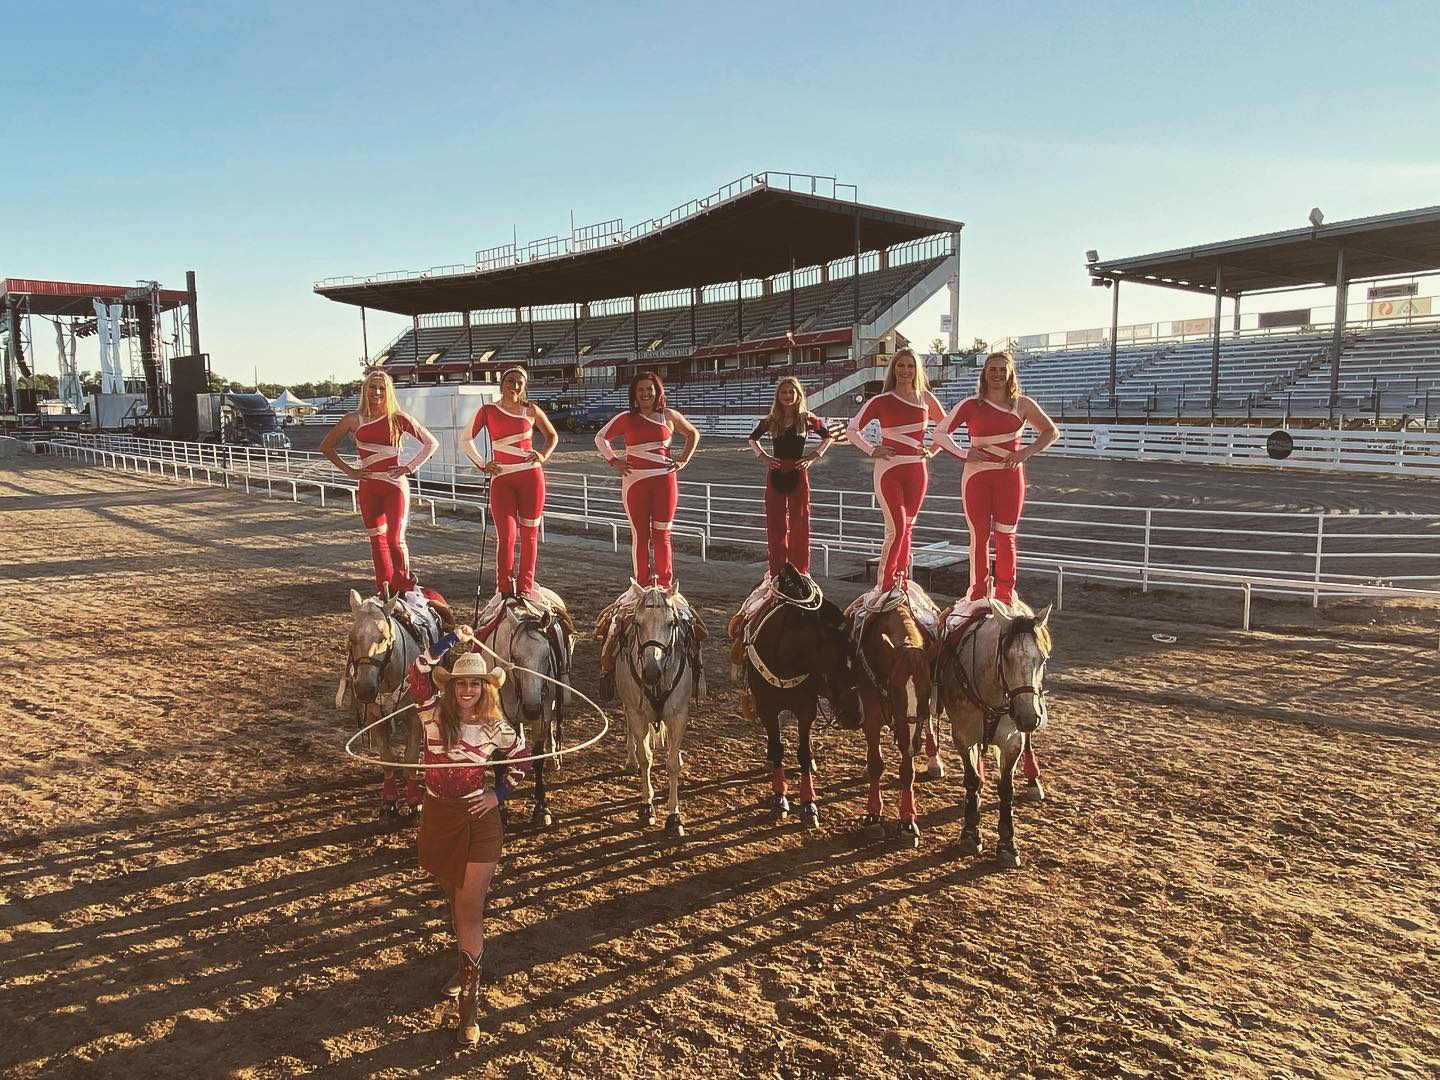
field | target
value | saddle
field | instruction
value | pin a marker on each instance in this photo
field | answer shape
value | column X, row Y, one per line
column 906, row 592
column 963, row 616
column 428, row 622
column 790, row 587
column 612, row 624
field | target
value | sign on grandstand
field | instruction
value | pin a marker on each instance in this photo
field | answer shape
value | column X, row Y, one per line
column 1190, row 327
column 1084, row 337
column 1033, row 341
column 947, row 323
column 1400, row 309
column 1390, row 292
column 1135, row 332
column 1293, row 317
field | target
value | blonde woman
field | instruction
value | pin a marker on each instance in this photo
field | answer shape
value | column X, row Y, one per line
column 993, row 483
column 379, row 425
column 903, row 410
column 787, row 483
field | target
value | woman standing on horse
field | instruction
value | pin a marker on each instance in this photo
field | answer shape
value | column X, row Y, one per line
column 648, row 487
column 787, row 481
column 993, row 483
column 903, row 410
column 460, row 826
column 379, row 425
column 517, row 484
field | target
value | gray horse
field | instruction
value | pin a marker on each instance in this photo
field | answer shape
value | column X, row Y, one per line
column 381, row 651
column 990, row 683
column 656, row 679
column 528, row 636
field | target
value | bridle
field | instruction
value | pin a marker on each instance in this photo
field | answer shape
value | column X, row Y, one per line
column 885, row 692
column 381, row 662
column 658, row 698
column 992, row 712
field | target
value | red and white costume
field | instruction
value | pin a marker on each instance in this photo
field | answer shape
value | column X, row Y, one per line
column 900, row 481
column 481, row 744
column 384, row 501
column 517, row 494
column 649, row 490
column 787, row 494
column 993, row 495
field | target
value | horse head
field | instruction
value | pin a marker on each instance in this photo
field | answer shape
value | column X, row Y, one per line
column 529, row 647
column 657, row 630
column 837, row 665
column 371, row 642
column 1023, row 650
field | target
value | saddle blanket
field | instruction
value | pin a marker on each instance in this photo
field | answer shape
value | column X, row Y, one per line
column 878, row 600
column 965, row 610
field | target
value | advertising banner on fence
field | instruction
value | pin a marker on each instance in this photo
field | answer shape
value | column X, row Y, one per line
column 1033, row 341
column 1191, row 327
column 1390, row 292
column 1135, row 332
column 1400, row 309
column 1084, row 337
column 1293, row 317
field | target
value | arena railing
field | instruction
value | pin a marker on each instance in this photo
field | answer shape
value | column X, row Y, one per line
column 1306, row 555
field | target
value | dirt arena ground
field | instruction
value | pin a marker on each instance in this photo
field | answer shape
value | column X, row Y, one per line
column 1236, row 872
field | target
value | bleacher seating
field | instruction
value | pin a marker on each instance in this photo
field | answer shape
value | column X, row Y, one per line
column 1402, row 365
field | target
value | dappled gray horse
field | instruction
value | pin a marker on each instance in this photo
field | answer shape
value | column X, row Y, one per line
column 990, row 672
column 381, row 651
column 656, row 679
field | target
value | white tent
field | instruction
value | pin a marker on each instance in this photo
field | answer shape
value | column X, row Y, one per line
column 288, row 404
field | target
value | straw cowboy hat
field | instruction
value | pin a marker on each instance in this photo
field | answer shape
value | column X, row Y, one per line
column 470, row 666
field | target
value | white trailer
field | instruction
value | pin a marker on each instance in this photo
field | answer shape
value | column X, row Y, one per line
column 447, row 410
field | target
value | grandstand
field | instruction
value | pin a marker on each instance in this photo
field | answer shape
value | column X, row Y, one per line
column 820, row 283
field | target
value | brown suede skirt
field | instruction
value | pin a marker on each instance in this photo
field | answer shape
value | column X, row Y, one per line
column 450, row 837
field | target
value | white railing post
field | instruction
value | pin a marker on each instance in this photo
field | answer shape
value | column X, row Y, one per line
column 585, row 498
column 1145, row 554
column 1319, row 555
column 1245, row 613
column 1059, row 588
column 707, row 510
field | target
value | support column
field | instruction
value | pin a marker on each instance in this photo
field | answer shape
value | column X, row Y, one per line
column 1215, row 341
column 855, row 279
column 530, row 318
column 1235, row 329
column 12, row 349
column 694, row 302
column 190, row 298
column 365, row 338
column 1114, row 330
column 635, row 325
column 469, row 342
column 1341, row 288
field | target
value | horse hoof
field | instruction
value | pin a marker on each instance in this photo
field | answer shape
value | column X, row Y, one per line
column 970, row 843
column 646, row 815
column 388, row 813
column 809, row 815
column 935, row 769
column 673, row 827
column 1007, row 858
column 908, row 834
column 541, row 819
column 410, row 815
column 779, row 805
column 1033, row 792
column 874, row 826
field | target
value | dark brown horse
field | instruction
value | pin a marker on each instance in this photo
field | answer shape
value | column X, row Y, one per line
column 894, row 680
column 795, row 653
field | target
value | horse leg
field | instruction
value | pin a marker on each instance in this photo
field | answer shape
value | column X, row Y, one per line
column 970, row 841
column 909, row 833
column 809, row 811
column 934, row 764
column 646, row 759
column 1030, row 767
column 540, row 816
column 380, row 744
column 874, row 821
column 775, row 754
column 674, row 762
column 414, row 790
column 1005, row 787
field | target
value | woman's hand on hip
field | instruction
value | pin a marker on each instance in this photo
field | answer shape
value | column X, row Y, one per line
column 482, row 803
column 621, row 466
column 491, row 468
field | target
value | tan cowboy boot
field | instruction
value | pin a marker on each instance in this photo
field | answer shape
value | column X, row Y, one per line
column 456, row 983
column 468, row 1031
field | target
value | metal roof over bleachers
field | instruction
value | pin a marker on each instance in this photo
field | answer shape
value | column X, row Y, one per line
column 1407, row 242
column 758, row 226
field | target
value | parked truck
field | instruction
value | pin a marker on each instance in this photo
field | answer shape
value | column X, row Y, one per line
column 238, row 419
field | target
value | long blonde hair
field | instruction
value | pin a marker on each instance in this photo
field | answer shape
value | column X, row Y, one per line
column 388, row 407
column 920, row 384
column 1012, row 382
column 777, row 411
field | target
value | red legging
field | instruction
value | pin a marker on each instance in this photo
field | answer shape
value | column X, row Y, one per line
column 993, row 500
column 385, row 509
column 517, row 500
column 787, row 525
column 650, row 506
column 900, row 485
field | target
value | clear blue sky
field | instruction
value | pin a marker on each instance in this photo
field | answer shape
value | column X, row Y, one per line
column 267, row 145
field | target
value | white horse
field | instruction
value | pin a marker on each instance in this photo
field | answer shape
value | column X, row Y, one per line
column 656, row 678
column 528, row 636
column 381, row 651
column 990, row 683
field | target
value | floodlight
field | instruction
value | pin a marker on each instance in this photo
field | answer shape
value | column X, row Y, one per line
column 1092, row 256
column 1316, row 217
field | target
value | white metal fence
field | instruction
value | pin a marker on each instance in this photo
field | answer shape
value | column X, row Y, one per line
column 1297, row 554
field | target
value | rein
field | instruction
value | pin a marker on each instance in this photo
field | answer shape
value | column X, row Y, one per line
column 656, row 698
column 992, row 713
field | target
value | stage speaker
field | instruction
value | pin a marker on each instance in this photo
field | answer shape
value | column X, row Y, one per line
column 189, row 375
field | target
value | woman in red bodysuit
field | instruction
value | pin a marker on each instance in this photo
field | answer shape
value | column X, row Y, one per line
column 993, row 483
column 517, row 484
column 379, row 425
column 648, row 486
column 787, row 481
column 903, row 410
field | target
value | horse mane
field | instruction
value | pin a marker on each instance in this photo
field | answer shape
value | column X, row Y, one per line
column 1026, row 624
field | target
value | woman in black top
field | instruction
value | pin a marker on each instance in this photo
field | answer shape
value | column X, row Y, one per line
column 787, row 488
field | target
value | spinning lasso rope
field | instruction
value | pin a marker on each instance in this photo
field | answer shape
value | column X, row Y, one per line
column 422, row 766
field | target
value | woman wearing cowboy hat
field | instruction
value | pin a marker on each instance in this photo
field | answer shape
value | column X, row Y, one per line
column 460, row 827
